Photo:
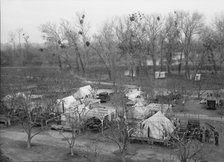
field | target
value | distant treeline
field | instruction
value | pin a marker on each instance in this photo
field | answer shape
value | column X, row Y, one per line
column 179, row 41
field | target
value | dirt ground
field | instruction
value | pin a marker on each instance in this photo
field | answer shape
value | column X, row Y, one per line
column 193, row 106
column 50, row 146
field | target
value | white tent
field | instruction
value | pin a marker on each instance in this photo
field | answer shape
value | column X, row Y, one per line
column 66, row 103
column 85, row 112
column 138, row 112
column 155, row 107
column 134, row 94
column 157, row 126
column 129, row 73
column 160, row 74
column 83, row 92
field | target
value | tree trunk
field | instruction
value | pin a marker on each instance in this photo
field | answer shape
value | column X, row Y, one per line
column 187, row 70
column 154, row 65
column 169, row 62
column 123, row 152
column 77, row 64
column 213, row 62
column 79, row 57
column 168, row 69
column 132, row 74
column 109, row 74
column 123, row 157
column 161, row 57
column 82, row 65
column 29, row 140
column 71, row 151
column 183, row 160
column 113, row 69
column 180, row 63
column 59, row 63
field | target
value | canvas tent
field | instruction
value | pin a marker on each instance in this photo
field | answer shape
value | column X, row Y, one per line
column 66, row 103
column 130, row 73
column 72, row 113
column 154, row 107
column 138, row 112
column 157, row 126
column 84, row 92
column 160, row 74
column 86, row 112
column 197, row 77
column 134, row 94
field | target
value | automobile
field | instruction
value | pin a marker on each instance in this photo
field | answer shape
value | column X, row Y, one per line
column 211, row 104
column 104, row 97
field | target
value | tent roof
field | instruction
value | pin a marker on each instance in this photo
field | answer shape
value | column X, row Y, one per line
column 69, row 101
column 109, row 91
column 158, row 125
column 156, row 117
column 133, row 94
column 158, row 107
column 83, row 92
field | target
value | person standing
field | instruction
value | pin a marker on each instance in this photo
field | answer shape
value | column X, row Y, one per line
column 216, row 134
column 206, row 135
column 201, row 135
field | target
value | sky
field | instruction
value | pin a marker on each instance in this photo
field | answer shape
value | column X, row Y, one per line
column 30, row 14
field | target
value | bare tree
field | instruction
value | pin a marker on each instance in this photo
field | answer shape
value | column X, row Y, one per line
column 189, row 149
column 28, row 113
column 190, row 26
column 73, row 37
column 130, row 36
column 105, row 46
column 171, row 34
column 76, row 121
column 19, row 32
column 54, row 38
column 153, row 28
column 118, row 129
column 219, row 27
